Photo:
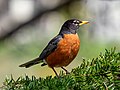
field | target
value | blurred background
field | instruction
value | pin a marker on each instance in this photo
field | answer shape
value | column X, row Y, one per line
column 26, row 26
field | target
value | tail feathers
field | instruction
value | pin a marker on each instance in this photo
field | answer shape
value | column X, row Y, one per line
column 31, row 63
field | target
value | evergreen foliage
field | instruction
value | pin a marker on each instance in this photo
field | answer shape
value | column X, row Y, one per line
column 101, row 73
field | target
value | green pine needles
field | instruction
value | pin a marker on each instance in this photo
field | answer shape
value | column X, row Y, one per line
column 101, row 73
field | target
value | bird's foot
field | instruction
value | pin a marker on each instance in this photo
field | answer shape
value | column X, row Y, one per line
column 65, row 70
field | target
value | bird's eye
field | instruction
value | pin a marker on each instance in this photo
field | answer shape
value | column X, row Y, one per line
column 76, row 22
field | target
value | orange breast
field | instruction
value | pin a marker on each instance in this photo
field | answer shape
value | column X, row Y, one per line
column 66, row 51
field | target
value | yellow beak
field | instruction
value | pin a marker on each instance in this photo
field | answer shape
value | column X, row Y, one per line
column 83, row 22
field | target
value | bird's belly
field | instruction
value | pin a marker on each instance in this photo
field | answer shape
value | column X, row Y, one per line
column 66, row 51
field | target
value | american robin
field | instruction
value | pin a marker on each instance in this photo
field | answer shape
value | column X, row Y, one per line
column 62, row 49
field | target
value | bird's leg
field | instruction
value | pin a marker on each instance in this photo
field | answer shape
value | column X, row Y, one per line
column 65, row 70
column 55, row 71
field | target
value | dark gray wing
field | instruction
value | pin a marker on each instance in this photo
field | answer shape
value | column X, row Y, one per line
column 52, row 45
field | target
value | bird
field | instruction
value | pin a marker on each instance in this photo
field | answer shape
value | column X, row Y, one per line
column 62, row 49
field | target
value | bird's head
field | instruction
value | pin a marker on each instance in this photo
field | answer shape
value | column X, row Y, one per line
column 71, row 26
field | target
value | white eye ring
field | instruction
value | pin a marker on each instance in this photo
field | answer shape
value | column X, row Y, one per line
column 75, row 21
column 76, row 24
